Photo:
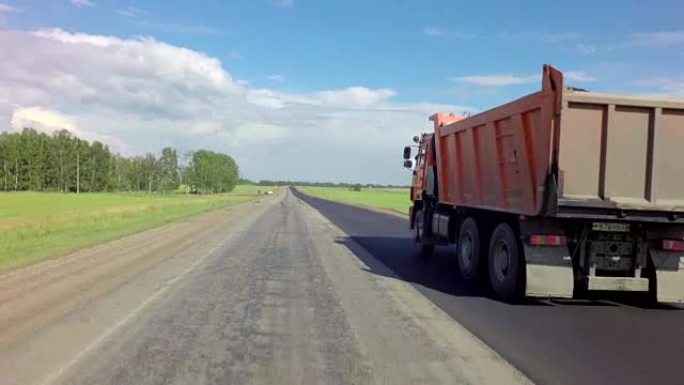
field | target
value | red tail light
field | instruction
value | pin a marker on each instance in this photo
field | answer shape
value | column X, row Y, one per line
column 548, row 240
column 672, row 245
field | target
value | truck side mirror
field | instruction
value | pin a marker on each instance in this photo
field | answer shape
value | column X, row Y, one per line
column 408, row 163
column 407, row 152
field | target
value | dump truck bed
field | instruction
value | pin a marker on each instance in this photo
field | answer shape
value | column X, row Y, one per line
column 566, row 152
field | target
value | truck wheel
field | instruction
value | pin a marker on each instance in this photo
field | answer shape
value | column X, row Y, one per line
column 506, row 265
column 422, row 248
column 468, row 250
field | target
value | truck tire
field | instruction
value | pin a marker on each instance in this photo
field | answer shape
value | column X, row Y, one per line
column 423, row 249
column 469, row 251
column 506, row 265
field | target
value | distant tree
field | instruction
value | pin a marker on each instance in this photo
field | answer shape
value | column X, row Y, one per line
column 210, row 172
column 169, row 173
column 31, row 160
column 151, row 173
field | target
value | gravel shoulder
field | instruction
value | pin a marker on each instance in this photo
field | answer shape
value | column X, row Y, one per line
column 259, row 294
column 50, row 310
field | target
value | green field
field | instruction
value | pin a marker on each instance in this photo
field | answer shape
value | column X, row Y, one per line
column 35, row 226
column 394, row 199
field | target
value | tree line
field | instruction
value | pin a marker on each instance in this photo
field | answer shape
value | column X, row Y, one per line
column 35, row 161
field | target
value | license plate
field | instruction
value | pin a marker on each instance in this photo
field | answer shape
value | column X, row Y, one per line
column 610, row 226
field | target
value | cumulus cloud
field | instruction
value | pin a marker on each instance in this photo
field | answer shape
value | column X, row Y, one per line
column 41, row 119
column 142, row 94
column 50, row 121
column 353, row 97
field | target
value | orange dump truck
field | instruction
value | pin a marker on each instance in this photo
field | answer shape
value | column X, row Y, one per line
column 557, row 193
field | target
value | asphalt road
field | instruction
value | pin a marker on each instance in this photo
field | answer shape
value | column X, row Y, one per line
column 618, row 341
column 263, row 293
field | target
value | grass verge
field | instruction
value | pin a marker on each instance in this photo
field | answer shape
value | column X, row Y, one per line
column 36, row 226
column 394, row 199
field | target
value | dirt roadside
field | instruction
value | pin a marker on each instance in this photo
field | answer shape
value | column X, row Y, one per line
column 33, row 296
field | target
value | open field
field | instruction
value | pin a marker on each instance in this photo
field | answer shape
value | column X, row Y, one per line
column 394, row 199
column 34, row 226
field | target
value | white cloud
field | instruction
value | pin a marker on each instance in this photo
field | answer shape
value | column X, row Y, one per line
column 546, row 37
column 233, row 55
column 82, row 3
column 196, row 29
column 142, row 94
column 432, row 31
column 276, row 77
column 6, row 8
column 140, row 17
column 49, row 121
column 266, row 98
column 439, row 32
column 672, row 86
column 578, row 76
column 132, row 12
column 284, row 3
column 354, row 97
column 257, row 132
column 41, row 119
column 585, row 49
column 497, row 79
column 657, row 39
column 501, row 80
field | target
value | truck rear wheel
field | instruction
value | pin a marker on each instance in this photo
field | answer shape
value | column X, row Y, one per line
column 424, row 249
column 469, row 250
column 506, row 265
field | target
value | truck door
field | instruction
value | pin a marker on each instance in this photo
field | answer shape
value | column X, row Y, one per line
column 419, row 170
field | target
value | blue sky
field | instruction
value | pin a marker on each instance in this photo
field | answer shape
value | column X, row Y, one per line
column 471, row 55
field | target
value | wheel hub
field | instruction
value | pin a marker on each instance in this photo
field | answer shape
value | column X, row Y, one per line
column 419, row 229
column 502, row 261
column 467, row 251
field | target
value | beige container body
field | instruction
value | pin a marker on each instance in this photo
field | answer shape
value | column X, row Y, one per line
column 623, row 152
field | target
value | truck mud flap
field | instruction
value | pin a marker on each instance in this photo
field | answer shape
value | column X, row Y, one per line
column 549, row 272
column 669, row 268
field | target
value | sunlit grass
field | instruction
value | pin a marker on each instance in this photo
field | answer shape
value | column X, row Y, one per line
column 35, row 226
column 395, row 199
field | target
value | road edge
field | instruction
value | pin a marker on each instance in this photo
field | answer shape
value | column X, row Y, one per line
column 518, row 376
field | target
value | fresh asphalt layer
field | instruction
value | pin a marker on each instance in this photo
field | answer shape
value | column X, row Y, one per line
column 591, row 341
